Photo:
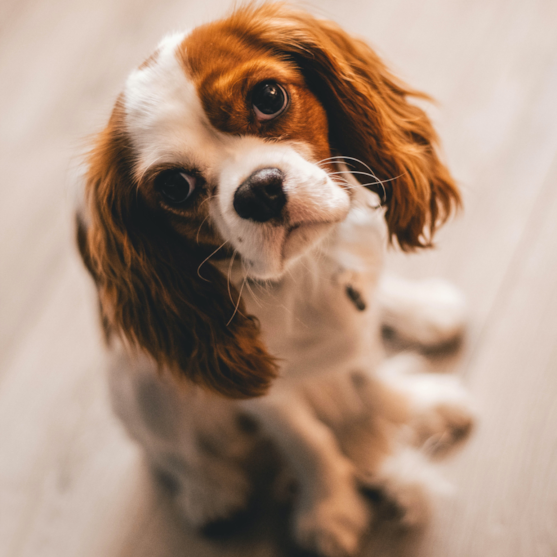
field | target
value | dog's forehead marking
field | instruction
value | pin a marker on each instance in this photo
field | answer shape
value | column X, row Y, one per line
column 164, row 115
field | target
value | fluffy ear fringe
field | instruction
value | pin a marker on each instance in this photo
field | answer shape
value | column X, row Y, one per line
column 149, row 290
column 370, row 117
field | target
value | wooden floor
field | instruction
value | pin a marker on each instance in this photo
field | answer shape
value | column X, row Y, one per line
column 71, row 484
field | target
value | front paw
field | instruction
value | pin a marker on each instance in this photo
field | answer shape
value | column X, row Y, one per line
column 409, row 504
column 401, row 488
column 443, row 428
column 204, row 500
column 430, row 313
column 333, row 527
column 441, row 413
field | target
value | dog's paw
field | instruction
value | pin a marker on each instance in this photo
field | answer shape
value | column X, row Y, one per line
column 333, row 527
column 410, row 503
column 202, row 501
column 441, row 413
column 442, row 428
column 401, row 488
column 443, row 416
column 430, row 313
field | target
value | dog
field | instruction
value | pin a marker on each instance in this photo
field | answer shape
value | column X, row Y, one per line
column 237, row 208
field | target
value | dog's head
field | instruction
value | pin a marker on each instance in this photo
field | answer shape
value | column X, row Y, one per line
column 225, row 142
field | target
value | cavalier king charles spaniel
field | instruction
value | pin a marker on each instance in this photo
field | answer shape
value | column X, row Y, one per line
column 237, row 206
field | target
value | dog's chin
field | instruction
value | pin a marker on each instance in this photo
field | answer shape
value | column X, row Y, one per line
column 281, row 254
column 301, row 238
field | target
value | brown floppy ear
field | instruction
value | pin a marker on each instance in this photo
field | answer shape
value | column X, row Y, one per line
column 149, row 290
column 370, row 119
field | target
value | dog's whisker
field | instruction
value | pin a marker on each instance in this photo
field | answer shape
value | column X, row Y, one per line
column 338, row 157
column 353, row 172
column 351, row 186
column 338, row 178
column 333, row 160
column 289, row 271
column 251, row 290
column 253, row 294
column 207, row 259
column 360, row 173
column 341, row 181
column 239, row 298
column 293, row 315
column 323, row 166
column 359, row 161
column 378, row 181
column 381, row 181
column 229, row 275
column 263, row 285
column 207, row 199
column 199, row 229
column 343, row 159
column 371, row 173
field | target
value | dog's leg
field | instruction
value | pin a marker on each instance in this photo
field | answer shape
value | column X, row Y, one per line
column 369, row 417
column 330, row 514
column 405, row 415
column 440, row 414
column 427, row 312
column 205, row 488
column 403, row 485
column 192, row 441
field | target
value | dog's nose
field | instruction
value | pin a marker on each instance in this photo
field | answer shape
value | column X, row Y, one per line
column 261, row 197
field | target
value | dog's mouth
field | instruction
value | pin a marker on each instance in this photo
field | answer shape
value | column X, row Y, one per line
column 302, row 236
column 285, row 246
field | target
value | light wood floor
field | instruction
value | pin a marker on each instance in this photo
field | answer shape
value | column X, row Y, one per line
column 71, row 484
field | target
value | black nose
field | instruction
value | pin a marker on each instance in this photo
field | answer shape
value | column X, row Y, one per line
column 261, row 197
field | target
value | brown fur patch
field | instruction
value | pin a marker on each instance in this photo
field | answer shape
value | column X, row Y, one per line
column 226, row 74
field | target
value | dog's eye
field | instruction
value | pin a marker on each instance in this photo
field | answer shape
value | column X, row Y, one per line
column 269, row 100
column 175, row 186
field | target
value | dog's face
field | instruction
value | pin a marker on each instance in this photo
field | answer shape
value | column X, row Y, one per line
column 232, row 147
column 224, row 144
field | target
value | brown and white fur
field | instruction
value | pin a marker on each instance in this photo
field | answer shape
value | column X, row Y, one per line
column 210, row 315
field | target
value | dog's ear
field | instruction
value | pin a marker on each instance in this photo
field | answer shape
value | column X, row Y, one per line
column 370, row 119
column 149, row 289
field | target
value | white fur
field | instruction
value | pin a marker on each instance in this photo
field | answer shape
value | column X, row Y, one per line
column 294, row 279
column 433, row 310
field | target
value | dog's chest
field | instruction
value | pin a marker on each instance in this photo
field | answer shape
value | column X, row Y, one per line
column 322, row 316
column 310, row 328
